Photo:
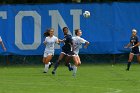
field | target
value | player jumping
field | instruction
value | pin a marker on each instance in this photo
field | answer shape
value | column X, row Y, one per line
column 66, row 50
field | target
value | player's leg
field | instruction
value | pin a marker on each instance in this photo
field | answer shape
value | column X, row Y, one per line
column 138, row 58
column 79, row 61
column 47, row 62
column 75, row 59
column 58, row 62
column 131, row 55
column 67, row 62
column 43, row 59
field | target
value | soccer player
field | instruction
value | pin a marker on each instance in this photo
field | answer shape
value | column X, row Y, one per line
column 77, row 42
column 66, row 50
column 49, row 42
column 133, row 44
column 2, row 44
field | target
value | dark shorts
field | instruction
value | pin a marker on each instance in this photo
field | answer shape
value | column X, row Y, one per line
column 135, row 50
column 67, row 50
column 68, row 53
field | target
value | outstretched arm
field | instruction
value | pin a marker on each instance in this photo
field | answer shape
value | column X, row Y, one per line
column 3, row 46
column 128, row 45
column 86, row 44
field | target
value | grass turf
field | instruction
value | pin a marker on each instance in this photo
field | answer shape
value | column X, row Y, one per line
column 90, row 79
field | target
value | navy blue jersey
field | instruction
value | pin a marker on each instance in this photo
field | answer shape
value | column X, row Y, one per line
column 67, row 43
column 134, row 40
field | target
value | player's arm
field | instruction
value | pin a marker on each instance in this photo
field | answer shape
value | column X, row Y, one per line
column 128, row 45
column 86, row 44
column 1, row 42
column 45, row 41
column 3, row 46
column 59, row 40
column 138, row 43
column 82, row 40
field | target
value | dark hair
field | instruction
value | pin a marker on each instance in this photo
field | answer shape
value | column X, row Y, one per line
column 76, row 31
column 65, row 28
column 47, row 33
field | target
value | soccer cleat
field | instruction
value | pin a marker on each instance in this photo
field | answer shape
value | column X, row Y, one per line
column 127, row 69
column 70, row 67
column 44, row 72
column 53, row 72
column 50, row 64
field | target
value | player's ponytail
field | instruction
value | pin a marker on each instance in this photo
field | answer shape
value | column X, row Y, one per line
column 76, row 31
column 47, row 33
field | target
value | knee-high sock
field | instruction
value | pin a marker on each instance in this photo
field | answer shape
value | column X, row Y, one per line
column 56, row 65
column 128, row 65
column 74, row 69
column 69, row 66
column 46, row 67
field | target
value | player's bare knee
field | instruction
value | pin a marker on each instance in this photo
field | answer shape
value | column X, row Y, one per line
column 76, row 64
column 129, row 60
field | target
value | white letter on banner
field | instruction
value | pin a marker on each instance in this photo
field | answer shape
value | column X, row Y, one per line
column 76, row 19
column 57, row 20
column 3, row 14
column 37, row 30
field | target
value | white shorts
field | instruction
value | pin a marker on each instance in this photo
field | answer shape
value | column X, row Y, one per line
column 48, row 53
column 75, row 55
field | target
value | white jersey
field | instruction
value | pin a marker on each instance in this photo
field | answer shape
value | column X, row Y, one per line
column 50, row 42
column 77, row 42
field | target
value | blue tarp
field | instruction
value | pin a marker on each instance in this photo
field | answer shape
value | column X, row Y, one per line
column 108, row 28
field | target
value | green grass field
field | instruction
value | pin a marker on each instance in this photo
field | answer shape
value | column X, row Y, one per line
column 90, row 79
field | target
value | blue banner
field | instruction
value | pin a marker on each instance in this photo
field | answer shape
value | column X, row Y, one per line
column 108, row 28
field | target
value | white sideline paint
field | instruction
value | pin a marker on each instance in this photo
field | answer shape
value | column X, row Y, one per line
column 111, row 90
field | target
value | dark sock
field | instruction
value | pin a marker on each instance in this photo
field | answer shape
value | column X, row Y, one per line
column 70, row 67
column 128, row 65
column 56, row 65
column 50, row 64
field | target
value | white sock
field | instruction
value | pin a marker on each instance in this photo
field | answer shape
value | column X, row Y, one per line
column 74, row 69
column 46, row 67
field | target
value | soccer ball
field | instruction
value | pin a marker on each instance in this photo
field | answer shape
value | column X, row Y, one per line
column 86, row 14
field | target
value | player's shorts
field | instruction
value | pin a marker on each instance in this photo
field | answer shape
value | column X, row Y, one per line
column 75, row 55
column 135, row 51
column 68, row 53
column 48, row 53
